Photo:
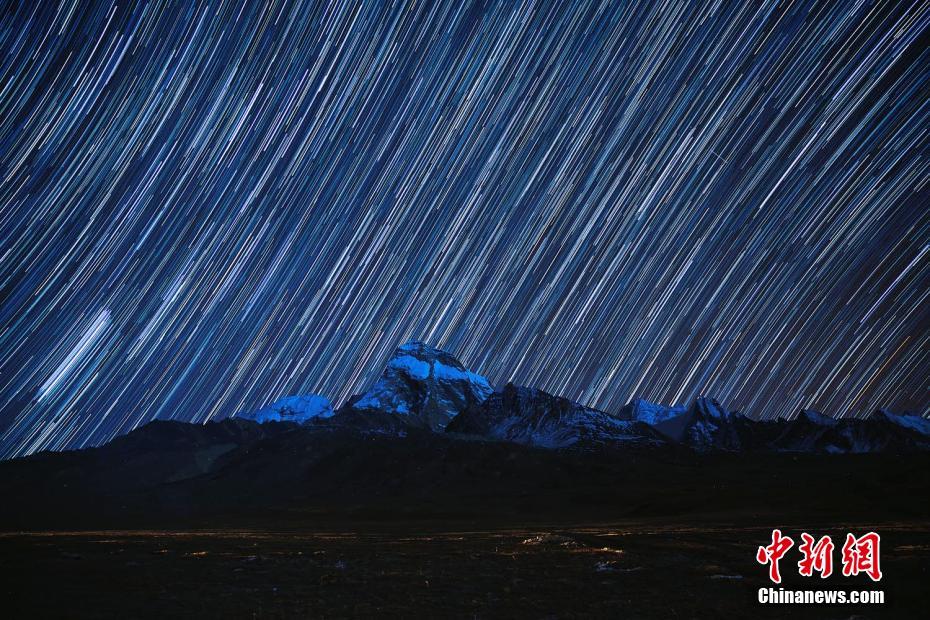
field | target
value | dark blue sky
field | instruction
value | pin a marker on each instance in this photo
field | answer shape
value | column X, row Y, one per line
column 206, row 208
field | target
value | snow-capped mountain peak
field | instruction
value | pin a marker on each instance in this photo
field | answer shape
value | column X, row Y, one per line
column 427, row 385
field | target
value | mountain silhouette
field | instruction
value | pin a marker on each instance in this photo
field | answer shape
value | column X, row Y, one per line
column 432, row 437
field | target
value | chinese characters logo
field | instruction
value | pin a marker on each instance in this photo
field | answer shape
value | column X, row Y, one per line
column 859, row 555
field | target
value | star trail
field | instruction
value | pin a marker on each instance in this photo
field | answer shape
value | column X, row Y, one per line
column 207, row 206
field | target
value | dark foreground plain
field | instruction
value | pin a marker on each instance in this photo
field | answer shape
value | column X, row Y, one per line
column 235, row 521
column 623, row 570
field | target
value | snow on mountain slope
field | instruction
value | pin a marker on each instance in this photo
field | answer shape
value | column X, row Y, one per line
column 426, row 385
column 640, row 410
column 909, row 421
column 532, row 417
column 708, row 425
column 299, row 409
column 881, row 431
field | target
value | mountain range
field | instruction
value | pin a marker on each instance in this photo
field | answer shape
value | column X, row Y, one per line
column 432, row 437
column 426, row 388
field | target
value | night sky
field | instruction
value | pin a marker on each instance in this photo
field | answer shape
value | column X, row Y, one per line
column 205, row 208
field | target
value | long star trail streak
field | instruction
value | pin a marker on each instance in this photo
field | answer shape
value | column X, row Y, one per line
column 207, row 206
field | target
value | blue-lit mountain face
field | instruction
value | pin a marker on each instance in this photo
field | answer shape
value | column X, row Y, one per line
column 428, row 389
column 532, row 417
column 299, row 409
column 421, row 388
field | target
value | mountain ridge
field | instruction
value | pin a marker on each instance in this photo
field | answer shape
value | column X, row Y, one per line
column 429, row 448
column 424, row 387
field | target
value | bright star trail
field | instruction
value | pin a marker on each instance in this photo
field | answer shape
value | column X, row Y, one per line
column 205, row 208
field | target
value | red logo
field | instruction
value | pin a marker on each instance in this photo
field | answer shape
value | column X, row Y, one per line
column 860, row 555
column 817, row 557
column 773, row 553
